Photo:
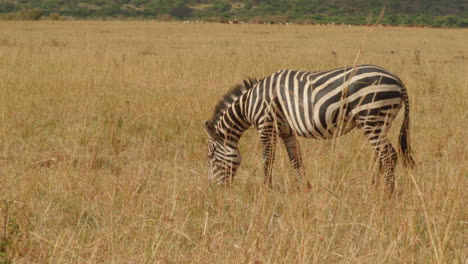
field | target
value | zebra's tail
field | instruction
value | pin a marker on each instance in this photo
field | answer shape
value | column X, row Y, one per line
column 404, row 138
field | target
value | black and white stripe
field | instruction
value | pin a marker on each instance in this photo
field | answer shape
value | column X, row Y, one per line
column 321, row 105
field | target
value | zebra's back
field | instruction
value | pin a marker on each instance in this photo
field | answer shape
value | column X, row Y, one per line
column 326, row 104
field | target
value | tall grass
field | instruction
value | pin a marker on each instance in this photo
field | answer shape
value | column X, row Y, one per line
column 102, row 154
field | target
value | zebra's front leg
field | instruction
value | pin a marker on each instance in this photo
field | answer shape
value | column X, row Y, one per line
column 268, row 139
column 294, row 153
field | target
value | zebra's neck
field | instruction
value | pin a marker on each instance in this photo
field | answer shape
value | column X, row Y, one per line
column 233, row 122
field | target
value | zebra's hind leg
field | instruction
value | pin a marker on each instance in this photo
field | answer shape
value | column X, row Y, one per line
column 376, row 132
column 380, row 171
column 294, row 153
column 387, row 162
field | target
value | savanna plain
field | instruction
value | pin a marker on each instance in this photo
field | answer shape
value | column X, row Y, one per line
column 103, row 153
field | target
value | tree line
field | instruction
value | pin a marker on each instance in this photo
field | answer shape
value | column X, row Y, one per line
column 439, row 13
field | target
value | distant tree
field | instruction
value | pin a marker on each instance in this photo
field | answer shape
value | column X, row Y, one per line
column 423, row 20
column 376, row 3
column 140, row 2
column 264, row 9
column 164, row 17
column 6, row 7
column 161, row 6
column 449, row 21
column 181, row 11
column 54, row 16
column 30, row 14
column 395, row 5
column 406, row 20
column 462, row 23
column 221, row 6
column 109, row 10
column 390, row 20
column 51, row 5
column 304, row 7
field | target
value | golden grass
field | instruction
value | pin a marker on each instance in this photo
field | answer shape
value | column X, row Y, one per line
column 102, row 154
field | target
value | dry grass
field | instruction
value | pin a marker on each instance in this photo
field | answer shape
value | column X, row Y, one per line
column 102, row 154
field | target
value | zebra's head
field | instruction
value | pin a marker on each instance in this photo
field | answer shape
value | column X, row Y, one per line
column 223, row 159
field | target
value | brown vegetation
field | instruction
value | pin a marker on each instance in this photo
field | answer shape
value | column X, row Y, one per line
column 102, row 151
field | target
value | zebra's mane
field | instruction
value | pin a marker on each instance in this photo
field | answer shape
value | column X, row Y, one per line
column 235, row 92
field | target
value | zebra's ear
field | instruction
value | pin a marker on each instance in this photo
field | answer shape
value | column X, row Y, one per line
column 210, row 129
column 249, row 83
column 246, row 83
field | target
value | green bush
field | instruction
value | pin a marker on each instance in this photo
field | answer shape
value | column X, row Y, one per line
column 181, row 11
column 7, row 7
column 31, row 14
column 164, row 17
column 28, row 14
column 221, row 6
column 462, row 23
column 54, row 16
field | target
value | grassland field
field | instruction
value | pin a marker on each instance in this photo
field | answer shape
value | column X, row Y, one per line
column 102, row 148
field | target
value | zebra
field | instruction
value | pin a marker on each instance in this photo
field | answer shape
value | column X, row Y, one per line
column 319, row 105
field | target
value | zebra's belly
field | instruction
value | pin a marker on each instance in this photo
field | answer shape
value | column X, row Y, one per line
column 324, row 125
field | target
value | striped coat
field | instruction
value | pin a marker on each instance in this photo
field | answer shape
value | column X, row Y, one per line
column 322, row 105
